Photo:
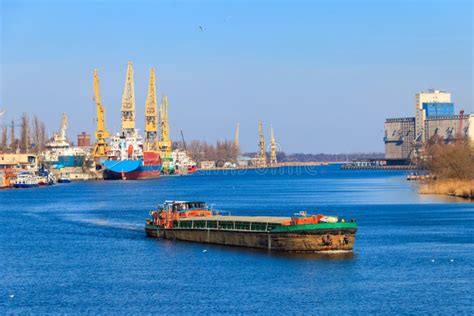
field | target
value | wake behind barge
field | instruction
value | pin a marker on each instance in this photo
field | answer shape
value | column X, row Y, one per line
column 195, row 221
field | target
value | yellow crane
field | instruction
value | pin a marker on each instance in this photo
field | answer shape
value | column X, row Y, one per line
column 128, row 103
column 273, row 149
column 262, row 156
column 101, row 134
column 151, row 116
column 164, row 144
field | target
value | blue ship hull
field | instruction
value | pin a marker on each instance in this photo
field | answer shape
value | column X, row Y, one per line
column 129, row 169
column 25, row 186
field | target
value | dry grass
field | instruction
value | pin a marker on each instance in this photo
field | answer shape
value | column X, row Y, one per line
column 460, row 188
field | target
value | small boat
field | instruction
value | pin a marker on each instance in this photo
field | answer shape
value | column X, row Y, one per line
column 26, row 180
column 45, row 177
column 195, row 221
column 420, row 177
column 64, row 178
column 192, row 169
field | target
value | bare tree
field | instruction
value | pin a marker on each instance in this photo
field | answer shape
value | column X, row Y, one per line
column 12, row 137
column 196, row 150
column 451, row 161
column 24, row 134
column 42, row 135
column 4, row 144
column 222, row 152
column 35, row 133
column 38, row 134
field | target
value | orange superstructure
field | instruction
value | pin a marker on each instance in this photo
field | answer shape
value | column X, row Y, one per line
column 175, row 210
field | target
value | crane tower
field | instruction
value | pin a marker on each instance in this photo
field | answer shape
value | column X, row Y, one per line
column 236, row 140
column 151, row 116
column 262, row 156
column 128, row 103
column 273, row 149
column 63, row 127
column 165, row 141
column 101, row 134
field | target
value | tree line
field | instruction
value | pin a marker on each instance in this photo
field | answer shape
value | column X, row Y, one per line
column 222, row 151
column 450, row 160
column 226, row 150
column 31, row 139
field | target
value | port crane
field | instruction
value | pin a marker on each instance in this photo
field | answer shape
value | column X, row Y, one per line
column 184, row 143
column 165, row 141
column 273, row 149
column 262, row 156
column 101, row 134
column 151, row 116
column 128, row 103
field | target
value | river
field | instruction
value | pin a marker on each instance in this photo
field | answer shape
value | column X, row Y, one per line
column 80, row 248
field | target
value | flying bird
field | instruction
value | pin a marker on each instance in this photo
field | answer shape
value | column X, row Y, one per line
column 201, row 28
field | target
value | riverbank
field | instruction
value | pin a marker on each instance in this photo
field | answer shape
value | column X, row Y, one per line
column 459, row 188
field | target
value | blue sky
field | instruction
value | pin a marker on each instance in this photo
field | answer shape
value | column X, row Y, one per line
column 324, row 74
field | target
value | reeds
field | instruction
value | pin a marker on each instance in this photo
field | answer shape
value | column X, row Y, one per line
column 453, row 187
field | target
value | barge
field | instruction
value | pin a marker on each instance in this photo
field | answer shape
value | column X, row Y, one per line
column 196, row 222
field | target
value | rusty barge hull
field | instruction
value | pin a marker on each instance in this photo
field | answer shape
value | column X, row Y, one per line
column 328, row 237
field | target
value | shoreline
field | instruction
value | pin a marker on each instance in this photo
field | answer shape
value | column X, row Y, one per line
column 452, row 187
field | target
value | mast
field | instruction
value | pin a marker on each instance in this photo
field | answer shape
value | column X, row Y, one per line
column 128, row 103
column 262, row 157
column 165, row 141
column 151, row 116
column 273, row 149
column 101, row 134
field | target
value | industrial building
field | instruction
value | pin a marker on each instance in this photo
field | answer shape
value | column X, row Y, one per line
column 83, row 140
column 21, row 161
column 422, row 101
column 435, row 116
column 399, row 139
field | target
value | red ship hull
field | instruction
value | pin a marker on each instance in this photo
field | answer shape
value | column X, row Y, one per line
column 134, row 175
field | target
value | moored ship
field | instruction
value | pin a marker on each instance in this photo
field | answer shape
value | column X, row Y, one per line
column 26, row 180
column 128, row 161
column 128, row 156
column 195, row 221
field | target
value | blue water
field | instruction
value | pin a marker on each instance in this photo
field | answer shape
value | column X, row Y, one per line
column 80, row 248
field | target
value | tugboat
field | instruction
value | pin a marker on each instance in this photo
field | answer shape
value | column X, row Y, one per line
column 26, row 180
column 195, row 221
column 45, row 177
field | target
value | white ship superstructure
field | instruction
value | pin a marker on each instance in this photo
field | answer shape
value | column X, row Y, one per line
column 60, row 152
column 126, row 146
